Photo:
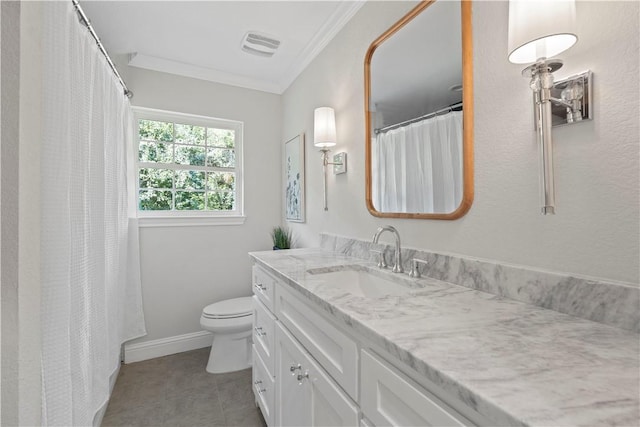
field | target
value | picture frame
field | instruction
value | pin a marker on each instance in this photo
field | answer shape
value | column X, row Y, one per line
column 294, row 189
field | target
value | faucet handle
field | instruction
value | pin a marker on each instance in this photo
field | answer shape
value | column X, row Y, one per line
column 381, row 261
column 415, row 267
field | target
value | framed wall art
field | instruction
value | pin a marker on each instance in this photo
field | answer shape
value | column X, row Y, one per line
column 294, row 178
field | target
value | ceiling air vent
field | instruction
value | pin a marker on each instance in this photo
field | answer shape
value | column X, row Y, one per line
column 260, row 44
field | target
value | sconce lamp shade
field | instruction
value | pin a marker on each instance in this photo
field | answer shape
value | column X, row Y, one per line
column 540, row 29
column 324, row 127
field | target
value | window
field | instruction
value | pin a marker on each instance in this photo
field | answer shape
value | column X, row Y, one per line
column 188, row 165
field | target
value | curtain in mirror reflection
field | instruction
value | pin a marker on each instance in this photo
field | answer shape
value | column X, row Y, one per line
column 418, row 168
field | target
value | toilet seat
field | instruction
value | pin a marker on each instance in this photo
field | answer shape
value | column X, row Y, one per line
column 229, row 309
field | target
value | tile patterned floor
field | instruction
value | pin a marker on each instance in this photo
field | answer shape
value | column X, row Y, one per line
column 177, row 391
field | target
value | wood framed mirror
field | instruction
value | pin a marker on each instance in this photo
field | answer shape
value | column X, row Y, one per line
column 419, row 114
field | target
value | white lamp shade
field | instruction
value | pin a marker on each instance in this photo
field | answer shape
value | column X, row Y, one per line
column 540, row 29
column 324, row 127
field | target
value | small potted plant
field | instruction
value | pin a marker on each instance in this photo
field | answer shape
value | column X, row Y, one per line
column 281, row 238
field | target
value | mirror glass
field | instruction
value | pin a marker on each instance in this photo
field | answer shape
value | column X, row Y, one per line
column 418, row 110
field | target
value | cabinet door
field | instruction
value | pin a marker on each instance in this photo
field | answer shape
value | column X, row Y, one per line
column 293, row 398
column 309, row 397
column 334, row 350
column 388, row 398
column 330, row 406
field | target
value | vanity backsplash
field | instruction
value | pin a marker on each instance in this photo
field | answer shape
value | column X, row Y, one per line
column 611, row 303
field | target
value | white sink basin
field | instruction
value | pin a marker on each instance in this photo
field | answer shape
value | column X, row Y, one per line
column 360, row 283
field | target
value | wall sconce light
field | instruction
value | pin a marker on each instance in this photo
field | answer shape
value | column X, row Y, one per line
column 324, row 136
column 539, row 30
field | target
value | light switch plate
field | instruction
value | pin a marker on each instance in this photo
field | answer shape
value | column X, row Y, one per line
column 340, row 163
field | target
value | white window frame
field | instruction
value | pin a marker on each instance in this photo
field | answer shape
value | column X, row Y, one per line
column 187, row 217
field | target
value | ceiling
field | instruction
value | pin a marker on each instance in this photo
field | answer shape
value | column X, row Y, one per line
column 202, row 39
column 412, row 72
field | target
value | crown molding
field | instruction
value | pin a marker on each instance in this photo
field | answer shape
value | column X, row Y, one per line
column 338, row 19
column 203, row 73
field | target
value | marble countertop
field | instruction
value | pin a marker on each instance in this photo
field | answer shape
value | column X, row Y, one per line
column 513, row 363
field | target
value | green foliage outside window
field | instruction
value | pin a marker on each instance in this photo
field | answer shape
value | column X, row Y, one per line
column 189, row 200
column 220, row 201
column 151, row 200
column 187, row 155
column 155, row 131
column 188, row 134
column 155, row 152
column 190, row 180
column 167, row 188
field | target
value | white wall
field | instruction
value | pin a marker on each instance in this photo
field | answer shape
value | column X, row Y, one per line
column 9, row 89
column 20, row 210
column 1, row 193
column 596, row 229
column 29, row 206
column 187, row 268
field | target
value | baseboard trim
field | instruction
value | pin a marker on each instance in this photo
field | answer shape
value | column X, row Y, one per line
column 137, row 352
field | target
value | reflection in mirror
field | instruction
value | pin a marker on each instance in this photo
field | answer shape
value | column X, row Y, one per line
column 419, row 149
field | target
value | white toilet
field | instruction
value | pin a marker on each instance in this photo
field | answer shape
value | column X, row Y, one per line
column 230, row 322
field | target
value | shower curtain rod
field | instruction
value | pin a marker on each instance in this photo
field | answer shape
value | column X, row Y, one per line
column 85, row 21
column 417, row 119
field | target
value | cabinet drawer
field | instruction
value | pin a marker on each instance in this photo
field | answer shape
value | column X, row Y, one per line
column 264, row 331
column 389, row 398
column 263, row 388
column 264, row 285
column 336, row 352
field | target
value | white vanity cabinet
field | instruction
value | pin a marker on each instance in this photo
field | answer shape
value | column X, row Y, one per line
column 264, row 324
column 306, row 395
column 290, row 386
column 264, row 333
column 332, row 348
column 309, row 371
column 264, row 388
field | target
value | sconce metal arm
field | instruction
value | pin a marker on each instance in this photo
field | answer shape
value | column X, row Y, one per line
column 325, row 163
column 325, row 158
column 562, row 103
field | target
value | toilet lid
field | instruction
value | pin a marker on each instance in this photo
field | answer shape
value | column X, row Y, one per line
column 236, row 307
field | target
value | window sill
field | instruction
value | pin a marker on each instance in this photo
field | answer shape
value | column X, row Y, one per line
column 189, row 221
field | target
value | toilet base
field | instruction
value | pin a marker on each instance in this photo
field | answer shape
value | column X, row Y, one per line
column 230, row 353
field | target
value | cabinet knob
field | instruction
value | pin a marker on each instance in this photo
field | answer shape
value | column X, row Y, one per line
column 260, row 287
column 294, row 368
column 302, row 377
column 259, row 332
column 258, row 389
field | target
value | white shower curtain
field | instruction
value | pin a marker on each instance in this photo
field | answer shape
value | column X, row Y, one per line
column 418, row 167
column 91, row 295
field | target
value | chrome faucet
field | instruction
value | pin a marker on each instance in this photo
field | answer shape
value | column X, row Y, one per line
column 397, row 265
